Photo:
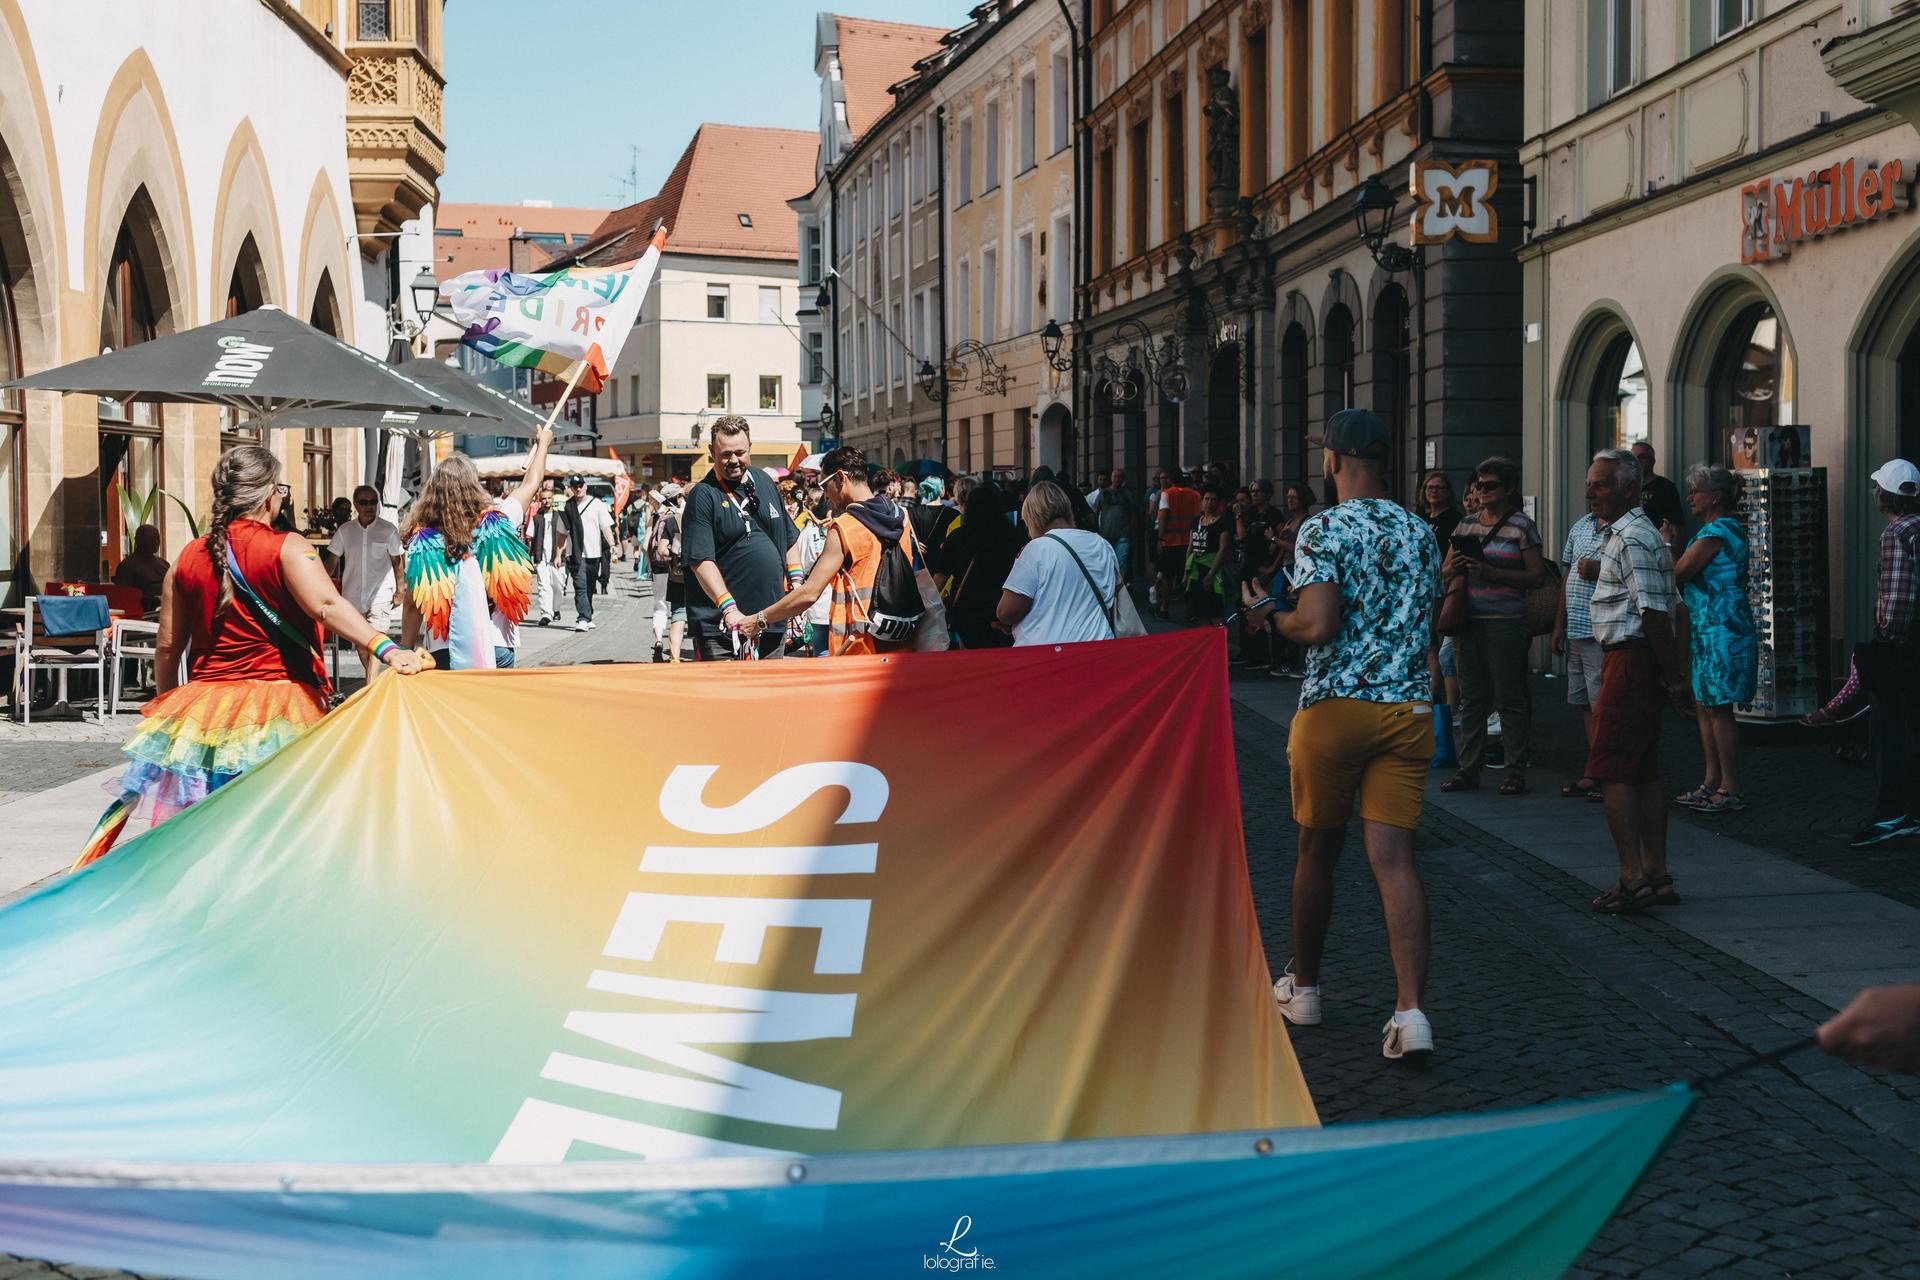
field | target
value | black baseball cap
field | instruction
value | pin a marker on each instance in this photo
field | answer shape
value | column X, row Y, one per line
column 1356, row 433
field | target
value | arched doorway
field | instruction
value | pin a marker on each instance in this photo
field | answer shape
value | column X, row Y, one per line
column 1055, row 444
column 246, row 291
column 1337, row 373
column 316, row 446
column 1603, row 401
column 1883, row 373
column 1294, row 363
column 1751, row 385
column 1223, row 410
column 1619, row 400
column 134, row 308
column 1393, row 386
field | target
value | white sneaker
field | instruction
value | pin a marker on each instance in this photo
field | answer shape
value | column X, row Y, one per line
column 1414, row 1036
column 590, row 624
column 1493, row 725
column 582, row 626
column 1301, row 1008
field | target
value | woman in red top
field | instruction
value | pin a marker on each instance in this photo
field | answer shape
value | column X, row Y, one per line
column 246, row 603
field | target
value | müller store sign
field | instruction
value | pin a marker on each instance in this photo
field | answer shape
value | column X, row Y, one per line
column 1778, row 213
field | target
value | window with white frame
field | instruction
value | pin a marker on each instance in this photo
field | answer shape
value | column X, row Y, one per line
column 1062, row 116
column 1029, row 89
column 894, row 352
column 1620, row 47
column 815, row 253
column 990, row 176
column 769, row 304
column 769, row 394
column 895, row 204
column 719, row 388
column 916, row 176
column 1729, row 16
column 873, row 204
column 860, row 370
column 928, row 149
column 1023, row 283
column 716, row 302
column 963, row 164
column 816, row 359
column 963, row 302
column 989, row 294
column 1060, row 268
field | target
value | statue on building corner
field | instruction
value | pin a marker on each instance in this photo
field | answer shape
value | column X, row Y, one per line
column 1223, row 142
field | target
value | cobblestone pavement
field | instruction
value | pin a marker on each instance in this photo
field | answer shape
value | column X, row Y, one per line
column 1807, row 1169
column 1804, row 800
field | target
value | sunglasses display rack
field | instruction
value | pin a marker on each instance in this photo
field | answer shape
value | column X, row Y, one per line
column 1785, row 512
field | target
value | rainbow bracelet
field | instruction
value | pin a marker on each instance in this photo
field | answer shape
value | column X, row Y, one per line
column 380, row 647
column 726, row 603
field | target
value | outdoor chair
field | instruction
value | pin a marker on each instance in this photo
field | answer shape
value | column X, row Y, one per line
column 133, row 640
column 61, row 634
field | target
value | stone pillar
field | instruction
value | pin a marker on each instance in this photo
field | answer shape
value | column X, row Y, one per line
column 1260, row 430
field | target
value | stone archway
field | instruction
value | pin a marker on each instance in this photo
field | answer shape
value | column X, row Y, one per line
column 1055, row 443
column 1595, row 356
column 1882, row 420
column 1695, row 381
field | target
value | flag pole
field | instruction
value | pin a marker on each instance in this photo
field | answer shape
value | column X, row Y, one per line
column 573, row 380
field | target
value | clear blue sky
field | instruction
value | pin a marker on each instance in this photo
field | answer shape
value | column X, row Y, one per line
column 545, row 101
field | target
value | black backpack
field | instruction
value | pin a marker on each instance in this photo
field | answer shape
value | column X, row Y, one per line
column 895, row 608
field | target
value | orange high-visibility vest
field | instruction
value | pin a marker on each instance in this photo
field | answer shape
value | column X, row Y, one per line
column 853, row 588
column 1181, row 514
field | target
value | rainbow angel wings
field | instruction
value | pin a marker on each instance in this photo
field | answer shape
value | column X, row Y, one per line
column 505, row 569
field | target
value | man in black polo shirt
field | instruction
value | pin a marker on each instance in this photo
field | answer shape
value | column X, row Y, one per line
column 736, row 539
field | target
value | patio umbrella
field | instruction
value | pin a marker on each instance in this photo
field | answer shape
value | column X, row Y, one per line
column 262, row 363
column 495, row 413
column 921, row 468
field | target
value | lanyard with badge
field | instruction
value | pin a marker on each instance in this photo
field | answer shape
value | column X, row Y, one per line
column 740, row 503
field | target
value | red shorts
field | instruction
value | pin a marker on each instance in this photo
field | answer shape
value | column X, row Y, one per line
column 1626, row 719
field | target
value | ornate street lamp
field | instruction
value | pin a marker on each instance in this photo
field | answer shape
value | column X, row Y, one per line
column 426, row 292
column 931, row 385
column 1373, row 207
column 1051, row 342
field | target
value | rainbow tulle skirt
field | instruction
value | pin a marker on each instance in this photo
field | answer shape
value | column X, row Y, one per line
column 194, row 739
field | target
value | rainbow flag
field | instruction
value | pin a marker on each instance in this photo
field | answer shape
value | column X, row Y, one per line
column 574, row 319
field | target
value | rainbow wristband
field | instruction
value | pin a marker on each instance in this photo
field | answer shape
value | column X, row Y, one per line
column 726, row 603
column 380, row 647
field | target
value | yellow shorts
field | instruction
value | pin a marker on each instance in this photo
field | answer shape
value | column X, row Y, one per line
column 1383, row 750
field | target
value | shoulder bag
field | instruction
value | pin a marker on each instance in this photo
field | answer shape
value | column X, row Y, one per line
column 1123, row 620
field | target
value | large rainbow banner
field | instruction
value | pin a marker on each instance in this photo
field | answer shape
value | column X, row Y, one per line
column 627, row 970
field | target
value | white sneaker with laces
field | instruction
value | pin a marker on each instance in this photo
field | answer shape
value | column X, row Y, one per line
column 1412, row 1037
column 1301, row 1008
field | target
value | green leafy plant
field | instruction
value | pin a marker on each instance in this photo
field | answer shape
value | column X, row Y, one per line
column 136, row 511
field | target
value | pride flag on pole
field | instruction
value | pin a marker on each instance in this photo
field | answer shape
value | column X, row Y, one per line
column 569, row 323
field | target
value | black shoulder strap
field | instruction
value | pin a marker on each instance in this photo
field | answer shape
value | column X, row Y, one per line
column 1106, row 610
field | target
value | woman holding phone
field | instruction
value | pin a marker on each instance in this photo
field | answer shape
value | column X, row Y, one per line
column 1497, row 550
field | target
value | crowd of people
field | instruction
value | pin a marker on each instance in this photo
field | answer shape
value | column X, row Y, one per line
column 1375, row 608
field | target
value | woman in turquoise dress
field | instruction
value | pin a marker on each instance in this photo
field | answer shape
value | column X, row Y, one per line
column 1712, row 574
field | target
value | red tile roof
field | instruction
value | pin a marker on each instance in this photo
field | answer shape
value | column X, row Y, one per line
column 727, row 170
column 875, row 56
column 484, row 230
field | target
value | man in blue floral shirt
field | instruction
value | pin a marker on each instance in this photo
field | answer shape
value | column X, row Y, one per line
column 1367, row 578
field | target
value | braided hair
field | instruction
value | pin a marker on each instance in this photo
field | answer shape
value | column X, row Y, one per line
column 243, row 480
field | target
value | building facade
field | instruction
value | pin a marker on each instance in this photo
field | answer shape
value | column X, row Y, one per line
column 1005, row 100
column 869, row 230
column 140, row 195
column 1724, row 246
column 1232, row 302
column 717, row 333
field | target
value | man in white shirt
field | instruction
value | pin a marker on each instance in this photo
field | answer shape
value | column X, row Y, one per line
column 547, row 544
column 366, row 556
column 590, row 528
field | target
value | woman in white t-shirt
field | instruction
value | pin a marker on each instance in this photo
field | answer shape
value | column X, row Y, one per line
column 469, row 577
column 1066, row 583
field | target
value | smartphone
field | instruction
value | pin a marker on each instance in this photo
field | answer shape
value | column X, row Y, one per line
column 1469, row 546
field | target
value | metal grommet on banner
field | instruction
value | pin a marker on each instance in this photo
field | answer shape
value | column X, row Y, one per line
column 796, row 1172
column 1264, row 1147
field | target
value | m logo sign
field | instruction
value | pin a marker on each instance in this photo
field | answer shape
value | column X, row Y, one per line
column 1450, row 202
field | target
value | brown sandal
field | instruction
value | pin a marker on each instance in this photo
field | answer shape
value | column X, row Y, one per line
column 1462, row 781
column 1625, row 899
column 1515, row 783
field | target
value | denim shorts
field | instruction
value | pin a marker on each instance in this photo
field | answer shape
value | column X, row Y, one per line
column 1446, row 657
